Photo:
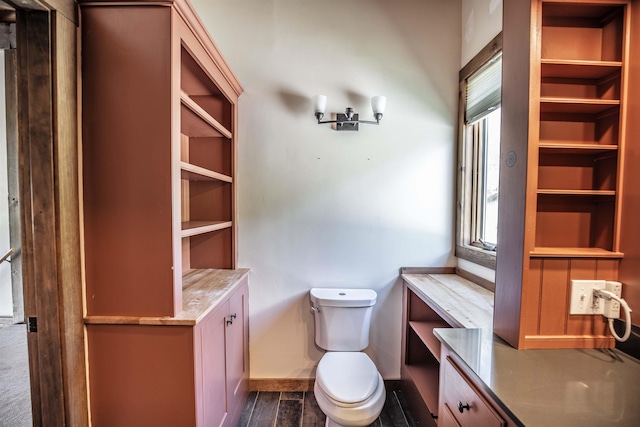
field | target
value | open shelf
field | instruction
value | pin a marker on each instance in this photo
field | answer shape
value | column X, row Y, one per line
column 575, row 31
column 577, row 105
column 575, row 220
column 424, row 331
column 196, row 173
column 426, row 379
column 559, row 192
column 193, row 228
column 542, row 252
column 196, row 122
column 576, row 69
column 592, row 172
column 577, row 148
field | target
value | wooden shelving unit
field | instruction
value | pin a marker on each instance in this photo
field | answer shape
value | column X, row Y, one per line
column 166, row 307
column 571, row 153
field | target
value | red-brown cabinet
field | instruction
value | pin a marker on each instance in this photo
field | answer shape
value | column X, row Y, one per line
column 166, row 307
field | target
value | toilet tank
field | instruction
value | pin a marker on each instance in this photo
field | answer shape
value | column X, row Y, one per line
column 342, row 317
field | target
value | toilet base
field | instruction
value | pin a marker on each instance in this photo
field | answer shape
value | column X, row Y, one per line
column 331, row 423
column 351, row 416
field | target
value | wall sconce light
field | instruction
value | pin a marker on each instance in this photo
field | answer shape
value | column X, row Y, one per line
column 349, row 120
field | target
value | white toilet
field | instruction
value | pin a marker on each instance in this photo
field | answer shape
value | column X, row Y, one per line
column 349, row 389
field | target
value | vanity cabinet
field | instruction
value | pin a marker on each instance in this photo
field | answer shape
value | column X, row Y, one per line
column 190, row 370
column 566, row 105
column 462, row 403
column 435, row 300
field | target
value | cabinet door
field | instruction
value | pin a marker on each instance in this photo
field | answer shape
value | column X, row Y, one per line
column 235, row 331
column 214, row 396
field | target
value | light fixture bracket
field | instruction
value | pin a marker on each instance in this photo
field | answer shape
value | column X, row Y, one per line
column 343, row 122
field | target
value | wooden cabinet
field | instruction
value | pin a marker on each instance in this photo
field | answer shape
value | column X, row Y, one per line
column 170, row 372
column 159, row 112
column 462, row 404
column 434, row 298
column 166, row 308
column 565, row 107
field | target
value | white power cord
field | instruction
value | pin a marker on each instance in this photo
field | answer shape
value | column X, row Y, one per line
column 608, row 295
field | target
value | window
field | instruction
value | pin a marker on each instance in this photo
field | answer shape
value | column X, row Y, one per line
column 479, row 156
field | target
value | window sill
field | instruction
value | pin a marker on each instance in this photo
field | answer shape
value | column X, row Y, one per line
column 477, row 255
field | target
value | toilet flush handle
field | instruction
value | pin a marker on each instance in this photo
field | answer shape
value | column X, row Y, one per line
column 315, row 309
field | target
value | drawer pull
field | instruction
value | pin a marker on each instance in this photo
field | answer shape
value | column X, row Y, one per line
column 230, row 319
column 462, row 407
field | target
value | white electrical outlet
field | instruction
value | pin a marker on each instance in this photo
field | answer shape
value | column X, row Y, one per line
column 612, row 307
column 582, row 299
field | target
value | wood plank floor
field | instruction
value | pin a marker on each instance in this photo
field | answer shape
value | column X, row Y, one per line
column 300, row 409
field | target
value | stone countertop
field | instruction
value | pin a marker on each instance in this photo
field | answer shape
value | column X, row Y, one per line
column 541, row 388
column 202, row 290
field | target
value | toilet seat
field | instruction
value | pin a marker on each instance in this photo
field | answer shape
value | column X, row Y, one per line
column 347, row 378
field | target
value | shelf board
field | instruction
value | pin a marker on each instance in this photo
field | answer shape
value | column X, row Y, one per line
column 196, row 122
column 426, row 379
column 546, row 252
column 575, row 69
column 192, row 172
column 194, row 228
column 563, row 192
column 562, row 147
column 424, row 330
column 576, row 105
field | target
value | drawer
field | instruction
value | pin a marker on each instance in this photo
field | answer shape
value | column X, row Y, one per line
column 446, row 418
column 466, row 404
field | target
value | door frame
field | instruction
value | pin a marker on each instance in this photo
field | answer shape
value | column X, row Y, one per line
column 48, row 140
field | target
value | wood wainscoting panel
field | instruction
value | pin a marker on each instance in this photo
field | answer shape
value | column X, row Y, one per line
column 546, row 320
column 553, row 296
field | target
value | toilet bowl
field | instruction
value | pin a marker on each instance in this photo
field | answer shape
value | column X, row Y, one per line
column 349, row 389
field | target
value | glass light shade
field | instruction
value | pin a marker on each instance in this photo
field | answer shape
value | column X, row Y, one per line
column 320, row 103
column 378, row 104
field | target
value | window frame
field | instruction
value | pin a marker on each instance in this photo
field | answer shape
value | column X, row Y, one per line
column 465, row 199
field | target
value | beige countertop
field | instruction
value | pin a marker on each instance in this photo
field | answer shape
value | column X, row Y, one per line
column 202, row 290
column 460, row 302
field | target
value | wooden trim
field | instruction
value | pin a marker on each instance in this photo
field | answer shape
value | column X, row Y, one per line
column 67, row 8
column 463, row 205
column 487, row 284
column 477, row 256
column 300, row 384
column 36, row 134
column 48, row 159
column 567, row 341
column 481, row 58
column 427, row 270
column 67, row 218
column 281, row 384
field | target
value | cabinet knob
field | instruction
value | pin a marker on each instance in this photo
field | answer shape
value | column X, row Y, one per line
column 462, row 407
column 233, row 316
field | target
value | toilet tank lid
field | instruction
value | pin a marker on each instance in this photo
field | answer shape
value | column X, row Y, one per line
column 338, row 297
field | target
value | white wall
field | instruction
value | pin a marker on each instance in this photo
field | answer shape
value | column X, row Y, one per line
column 324, row 208
column 481, row 22
column 6, row 301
